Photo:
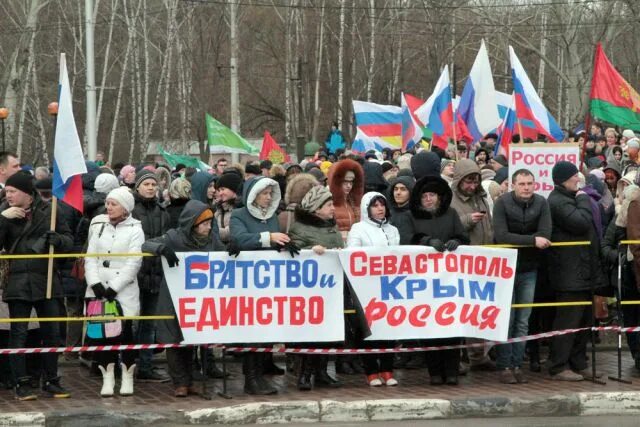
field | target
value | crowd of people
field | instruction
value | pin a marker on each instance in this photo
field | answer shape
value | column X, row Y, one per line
column 331, row 199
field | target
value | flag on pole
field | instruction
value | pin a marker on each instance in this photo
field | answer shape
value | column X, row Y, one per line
column 224, row 140
column 272, row 151
column 506, row 130
column 411, row 129
column 478, row 106
column 68, row 160
column 612, row 98
column 437, row 112
column 528, row 104
column 380, row 124
column 174, row 159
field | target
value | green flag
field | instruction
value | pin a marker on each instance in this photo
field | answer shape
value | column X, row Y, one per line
column 224, row 140
column 188, row 161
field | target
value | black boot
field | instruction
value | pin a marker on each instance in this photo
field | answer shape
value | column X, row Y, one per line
column 253, row 382
column 265, row 385
column 305, row 375
column 322, row 377
column 271, row 368
column 212, row 370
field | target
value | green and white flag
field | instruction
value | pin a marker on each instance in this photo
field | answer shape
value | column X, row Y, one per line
column 189, row 161
column 224, row 140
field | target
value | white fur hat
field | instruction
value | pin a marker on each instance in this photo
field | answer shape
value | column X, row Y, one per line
column 123, row 196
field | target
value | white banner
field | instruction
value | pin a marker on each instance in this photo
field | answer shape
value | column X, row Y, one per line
column 415, row 292
column 258, row 297
column 540, row 158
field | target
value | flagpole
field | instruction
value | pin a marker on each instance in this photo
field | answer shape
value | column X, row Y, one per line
column 52, row 227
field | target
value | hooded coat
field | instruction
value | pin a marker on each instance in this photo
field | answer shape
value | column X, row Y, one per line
column 180, row 239
column 199, row 183
column 480, row 233
column 347, row 207
column 117, row 273
column 368, row 232
column 396, row 210
column 251, row 226
column 443, row 224
column 297, row 187
column 374, row 177
column 425, row 163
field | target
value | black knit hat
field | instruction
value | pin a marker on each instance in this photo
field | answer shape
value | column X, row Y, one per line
column 22, row 181
column 230, row 180
column 252, row 168
column 144, row 174
column 562, row 171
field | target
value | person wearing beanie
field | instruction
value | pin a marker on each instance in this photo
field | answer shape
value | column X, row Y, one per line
column 195, row 233
column 265, row 167
column 319, row 176
column 633, row 160
column 499, row 162
column 25, row 221
column 179, row 195
column 105, row 182
column 115, row 279
column 128, row 176
column 399, row 195
column 577, row 273
column 155, row 222
column 374, row 229
column 522, row 218
column 425, row 163
column 43, row 187
column 251, row 170
column 228, row 186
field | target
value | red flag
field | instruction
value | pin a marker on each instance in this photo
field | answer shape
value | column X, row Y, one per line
column 272, row 151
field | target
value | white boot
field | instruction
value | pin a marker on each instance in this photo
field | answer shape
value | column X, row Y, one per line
column 126, row 385
column 108, row 380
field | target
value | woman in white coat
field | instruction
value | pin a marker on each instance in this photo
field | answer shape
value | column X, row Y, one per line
column 374, row 229
column 115, row 278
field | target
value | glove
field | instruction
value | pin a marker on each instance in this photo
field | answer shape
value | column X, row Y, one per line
column 13, row 213
column 292, row 248
column 452, row 245
column 233, row 250
column 613, row 257
column 98, row 290
column 436, row 244
column 54, row 239
column 170, row 255
column 110, row 294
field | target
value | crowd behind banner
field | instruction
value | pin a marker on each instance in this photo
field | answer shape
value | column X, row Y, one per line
column 329, row 200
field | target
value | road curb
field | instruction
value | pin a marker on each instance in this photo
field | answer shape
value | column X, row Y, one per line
column 309, row 411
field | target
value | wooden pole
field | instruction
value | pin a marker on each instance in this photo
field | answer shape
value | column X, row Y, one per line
column 54, row 211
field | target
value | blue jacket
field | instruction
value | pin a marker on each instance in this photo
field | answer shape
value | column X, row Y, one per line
column 251, row 226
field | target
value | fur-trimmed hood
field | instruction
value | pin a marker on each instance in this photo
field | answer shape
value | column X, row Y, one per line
column 336, row 178
column 436, row 185
column 297, row 187
column 631, row 194
column 253, row 187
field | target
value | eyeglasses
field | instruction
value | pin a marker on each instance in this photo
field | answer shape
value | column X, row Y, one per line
column 346, row 182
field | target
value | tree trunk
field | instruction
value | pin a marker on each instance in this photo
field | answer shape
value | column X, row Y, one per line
column 341, row 65
column 372, row 49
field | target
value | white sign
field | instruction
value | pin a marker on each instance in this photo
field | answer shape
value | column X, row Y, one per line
column 258, row 297
column 539, row 158
column 415, row 292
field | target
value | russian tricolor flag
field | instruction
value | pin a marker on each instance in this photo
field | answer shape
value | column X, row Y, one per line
column 478, row 106
column 437, row 112
column 506, row 131
column 528, row 105
column 411, row 127
column 68, row 160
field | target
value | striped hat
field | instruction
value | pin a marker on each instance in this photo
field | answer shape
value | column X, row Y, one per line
column 315, row 198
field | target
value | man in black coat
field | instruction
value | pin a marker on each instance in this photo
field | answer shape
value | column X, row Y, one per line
column 520, row 217
column 155, row 222
column 24, row 229
column 576, row 272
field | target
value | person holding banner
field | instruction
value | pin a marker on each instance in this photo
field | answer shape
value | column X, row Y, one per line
column 434, row 223
column 315, row 228
column 115, row 279
column 255, row 227
column 24, row 229
column 521, row 217
column 374, row 229
column 194, row 233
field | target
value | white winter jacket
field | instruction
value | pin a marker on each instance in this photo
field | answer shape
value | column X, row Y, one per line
column 117, row 273
column 369, row 233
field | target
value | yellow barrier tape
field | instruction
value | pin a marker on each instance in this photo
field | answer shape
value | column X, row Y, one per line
column 556, row 244
column 82, row 319
column 630, row 242
column 630, row 302
column 38, row 256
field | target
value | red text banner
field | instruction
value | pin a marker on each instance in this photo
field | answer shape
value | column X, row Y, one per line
column 415, row 292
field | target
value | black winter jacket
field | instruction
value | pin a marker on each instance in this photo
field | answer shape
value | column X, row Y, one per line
column 155, row 222
column 573, row 268
column 519, row 222
column 28, row 277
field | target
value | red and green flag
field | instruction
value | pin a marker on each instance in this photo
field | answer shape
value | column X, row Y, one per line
column 612, row 98
column 272, row 151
